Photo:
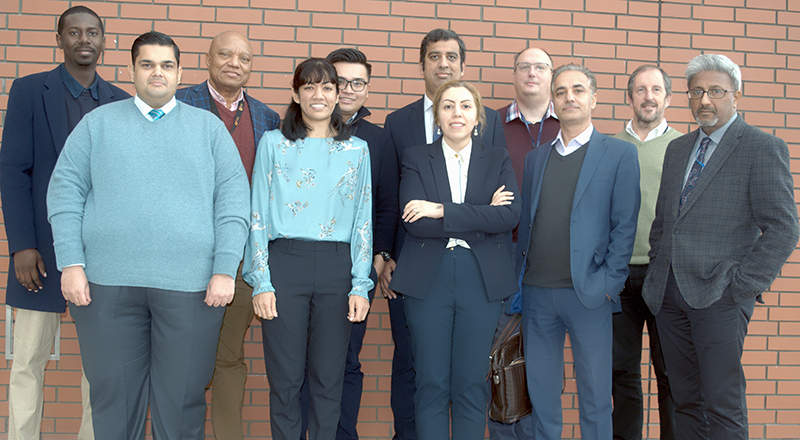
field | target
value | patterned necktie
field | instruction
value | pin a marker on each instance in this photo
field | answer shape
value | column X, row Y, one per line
column 156, row 114
column 694, row 173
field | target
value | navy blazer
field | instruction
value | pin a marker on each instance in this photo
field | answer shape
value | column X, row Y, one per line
column 406, row 127
column 263, row 117
column 34, row 133
column 605, row 209
column 487, row 229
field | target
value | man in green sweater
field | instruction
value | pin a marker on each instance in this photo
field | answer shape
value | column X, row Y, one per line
column 649, row 94
column 149, row 205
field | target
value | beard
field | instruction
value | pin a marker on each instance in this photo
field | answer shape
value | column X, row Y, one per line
column 645, row 118
column 709, row 122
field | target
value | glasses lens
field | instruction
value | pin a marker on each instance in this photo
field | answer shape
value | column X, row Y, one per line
column 524, row 67
column 357, row 85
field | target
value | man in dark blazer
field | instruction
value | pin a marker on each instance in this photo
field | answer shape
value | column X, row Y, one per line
column 580, row 198
column 35, row 129
column 726, row 221
column 442, row 56
column 229, row 61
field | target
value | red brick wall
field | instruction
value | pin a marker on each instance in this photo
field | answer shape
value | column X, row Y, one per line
column 612, row 37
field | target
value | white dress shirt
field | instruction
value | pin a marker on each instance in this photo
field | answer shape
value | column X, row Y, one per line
column 457, row 172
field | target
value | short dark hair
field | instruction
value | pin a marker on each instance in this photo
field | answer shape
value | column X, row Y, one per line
column 154, row 38
column 442, row 35
column 644, row 68
column 312, row 71
column 350, row 55
column 78, row 10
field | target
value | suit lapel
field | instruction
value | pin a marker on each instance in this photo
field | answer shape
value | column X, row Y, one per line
column 417, row 123
column 595, row 149
column 55, row 108
column 478, row 177
column 439, row 172
column 726, row 146
column 540, row 164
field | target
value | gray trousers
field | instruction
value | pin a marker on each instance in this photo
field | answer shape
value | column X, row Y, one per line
column 145, row 346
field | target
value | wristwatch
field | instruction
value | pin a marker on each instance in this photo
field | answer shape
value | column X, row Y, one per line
column 386, row 255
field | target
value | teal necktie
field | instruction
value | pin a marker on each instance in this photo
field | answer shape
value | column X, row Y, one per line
column 156, row 114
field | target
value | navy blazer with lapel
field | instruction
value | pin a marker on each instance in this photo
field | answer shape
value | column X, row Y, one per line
column 406, row 127
column 34, row 133
column 737, row 227
column 487, row 229
column 263, row 117
column 605, row 210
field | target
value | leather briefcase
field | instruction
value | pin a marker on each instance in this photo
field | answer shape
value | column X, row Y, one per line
column 509, row 386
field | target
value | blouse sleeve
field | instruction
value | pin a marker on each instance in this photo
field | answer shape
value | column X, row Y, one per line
column 361, row 234
column 256, row 254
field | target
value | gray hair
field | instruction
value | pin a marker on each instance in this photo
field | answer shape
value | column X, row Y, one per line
column 647, row 67
column 712, row 62
column 574, row 67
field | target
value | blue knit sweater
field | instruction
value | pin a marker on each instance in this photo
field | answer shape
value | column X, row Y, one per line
column 161, row 204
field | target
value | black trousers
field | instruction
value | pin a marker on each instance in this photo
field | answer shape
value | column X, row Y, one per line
column 703, row 353
column 311, row 280
column 627, row 359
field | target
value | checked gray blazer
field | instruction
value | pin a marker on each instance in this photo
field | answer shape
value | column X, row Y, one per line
column 736, row 229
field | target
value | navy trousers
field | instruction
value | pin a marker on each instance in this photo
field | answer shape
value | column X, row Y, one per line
column 312, row 280
column 451, row 336
column 547, row 316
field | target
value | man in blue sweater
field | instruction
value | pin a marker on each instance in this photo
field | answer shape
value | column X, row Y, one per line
column 149, row 205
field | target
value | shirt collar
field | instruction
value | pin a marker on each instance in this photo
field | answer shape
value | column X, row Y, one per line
column 716, row 136
column 218, row 97
column 145, row 109
column 514, row 113
column 427, row 103
column 75, row 88
column 450, row 154
column 575, row 143
column 654, row 133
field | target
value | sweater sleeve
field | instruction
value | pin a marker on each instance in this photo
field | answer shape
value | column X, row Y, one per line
column 361, row 233
column 69, row 187
column 256, row 255
column 231, row 204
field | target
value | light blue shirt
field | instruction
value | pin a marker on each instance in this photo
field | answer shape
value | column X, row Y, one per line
column 145, row 107
column 716, row 136
column 313, row 189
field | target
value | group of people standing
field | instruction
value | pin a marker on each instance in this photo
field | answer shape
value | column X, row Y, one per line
column 176, row 216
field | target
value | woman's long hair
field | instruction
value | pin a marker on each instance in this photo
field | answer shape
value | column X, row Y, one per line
column 312, row 71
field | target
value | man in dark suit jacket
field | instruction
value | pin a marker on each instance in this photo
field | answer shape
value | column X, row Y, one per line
column 580, row 200
column 442, row 58
column 229, row 61
column 35, row 129
column 726, row 221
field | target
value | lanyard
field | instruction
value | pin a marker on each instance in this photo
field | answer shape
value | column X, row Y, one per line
column 236, row 118
column 527, row 127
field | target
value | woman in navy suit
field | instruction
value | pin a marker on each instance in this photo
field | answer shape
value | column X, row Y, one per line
column 455, row 267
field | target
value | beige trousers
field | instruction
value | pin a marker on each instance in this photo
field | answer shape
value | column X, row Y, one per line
column 33, row 340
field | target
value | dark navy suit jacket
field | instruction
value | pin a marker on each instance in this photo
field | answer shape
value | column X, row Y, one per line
column 605, row 209
column 487, row 229
column 406, row 127
column 385, row 179
column 34, row 133
column 263, row 117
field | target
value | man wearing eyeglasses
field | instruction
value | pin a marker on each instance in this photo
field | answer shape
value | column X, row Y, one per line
column 649, row 95
column 726, row 221
column 354, row 74
column 528, row 121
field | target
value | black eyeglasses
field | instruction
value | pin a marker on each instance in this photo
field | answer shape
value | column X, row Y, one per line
column 357, row 85
column 713, row 93
column 537, row 67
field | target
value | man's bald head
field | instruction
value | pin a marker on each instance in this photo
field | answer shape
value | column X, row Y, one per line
column 229, row 60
